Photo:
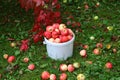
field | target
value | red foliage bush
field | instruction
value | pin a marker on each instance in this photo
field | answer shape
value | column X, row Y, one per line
column 46, row 12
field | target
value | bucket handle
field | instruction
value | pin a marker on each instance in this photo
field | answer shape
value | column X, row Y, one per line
column 44, row 42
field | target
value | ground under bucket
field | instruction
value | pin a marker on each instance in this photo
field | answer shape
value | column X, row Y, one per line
column 60, row 51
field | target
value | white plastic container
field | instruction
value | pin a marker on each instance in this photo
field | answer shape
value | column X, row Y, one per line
column 59, row 51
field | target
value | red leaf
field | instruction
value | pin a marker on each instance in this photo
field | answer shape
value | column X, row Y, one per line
column 47, row 1
column 39, row 2
column 58, row 21
column 54, row 2
column 78, row 24
column 25, row 41
column 56, row 14
column 58, row 6
column 35, row 28
column 24, row 45
column 27, row 4
column 36, row 38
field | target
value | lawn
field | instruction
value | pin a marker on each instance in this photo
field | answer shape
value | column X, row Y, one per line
column 16, row 23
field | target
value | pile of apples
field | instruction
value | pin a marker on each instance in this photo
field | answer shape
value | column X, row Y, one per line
column 45, row 75
column 58, row 33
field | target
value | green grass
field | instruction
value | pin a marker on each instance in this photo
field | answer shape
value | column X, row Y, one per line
column 15, row 23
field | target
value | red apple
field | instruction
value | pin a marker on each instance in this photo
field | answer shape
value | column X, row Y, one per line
column 85, row 46
column 96, row 51
column 70, row 31
column 99, row 45
column 52, row 77
column 55, row 34
column 58, row 31
column 55, row 26
column 108, row 65
column 57, row 40
column 11, row 59
column 63, row 67
column 5, row 56
column 70, row 37
column 51, row 40
column 71, row 68
column 26, row 60
column 31, row 66
column 47, row 34
column 64, row 32
column 49, row 28
column 63, row 76
column 45, row 75
column 62, row 26
column 64, row 38
column 86, row 7
column 83, row 53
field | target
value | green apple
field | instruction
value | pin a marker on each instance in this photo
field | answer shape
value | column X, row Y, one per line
column 96, row 17
column 92, row 38
column 110, row 28
column 64, row 1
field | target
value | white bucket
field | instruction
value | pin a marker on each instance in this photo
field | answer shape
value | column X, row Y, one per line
column 60, row 51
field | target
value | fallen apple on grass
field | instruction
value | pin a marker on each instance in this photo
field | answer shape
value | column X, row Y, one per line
column 95, row 17
column 11, row 59
column 13, row 44
column 76, row 64
column 114, row 50
column 71, row 68
column 85, row 46
column 80, row 77
column 5, row 56
column 96, row 51
column 45, row 75
column 108, row 65
column 63, row 67
column 99, row 45
column 97, row 4
column 83, row 53
column 52, row 77
column 26, row 60
column 63, row 76
column 31, row 66
column 86, row 7
column 92, row 38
